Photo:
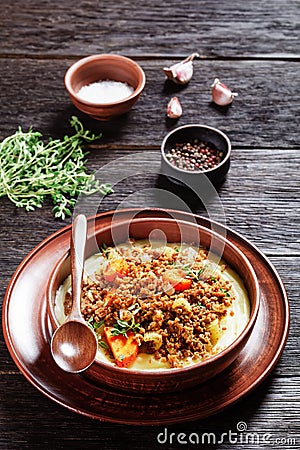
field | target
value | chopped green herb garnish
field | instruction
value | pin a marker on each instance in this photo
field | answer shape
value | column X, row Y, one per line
column 122, row 327
column 201, row 306
column 90, row 321
column 104, row 250
column 193, row 274
column 225, row 292
column 98, row 324
column 93, row 324
column 103, row 345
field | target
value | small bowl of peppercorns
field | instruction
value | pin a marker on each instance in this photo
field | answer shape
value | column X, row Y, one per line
column 194, row 153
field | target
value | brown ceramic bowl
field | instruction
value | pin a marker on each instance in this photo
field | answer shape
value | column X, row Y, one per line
column 163, row 380
column 187, row 134
column 104, row 67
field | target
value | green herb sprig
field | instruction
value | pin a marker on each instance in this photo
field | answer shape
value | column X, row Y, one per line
column 95, row 326
column 192, row 273
column 227, row 294
column 122, row 327
column 30, row 170
column 104, row 250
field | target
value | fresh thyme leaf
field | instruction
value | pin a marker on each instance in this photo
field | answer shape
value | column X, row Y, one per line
column 94, row 325
column 122, row 327
column 103, row 345
column 225, row 292
column 201, row 306
column 104, row 250
column 192, row 273
column 31, row 170
column 122, row 323
column 97, row 325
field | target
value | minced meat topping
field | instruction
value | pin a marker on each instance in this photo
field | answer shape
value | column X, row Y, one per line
column 158, row 300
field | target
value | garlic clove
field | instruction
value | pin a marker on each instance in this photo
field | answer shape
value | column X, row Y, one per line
column 174, row 108
column 184, row 72
column 221, row 94
column 181, row 72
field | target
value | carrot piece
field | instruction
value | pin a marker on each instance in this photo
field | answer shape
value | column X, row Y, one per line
column 176, row 277
column 125, row 349
column 183, row 284
column 115, row 268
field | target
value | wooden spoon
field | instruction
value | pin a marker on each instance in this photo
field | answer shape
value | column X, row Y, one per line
column 74, row 344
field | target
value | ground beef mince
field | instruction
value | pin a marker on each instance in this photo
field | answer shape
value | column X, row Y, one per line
column 165, row 296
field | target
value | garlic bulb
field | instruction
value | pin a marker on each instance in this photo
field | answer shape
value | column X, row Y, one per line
column 174, row 108
column 221, row 94
column 182, row 72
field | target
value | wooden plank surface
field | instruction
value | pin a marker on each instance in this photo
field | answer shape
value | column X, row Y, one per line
column 263, row 115
column 262, row 413
column 251, row 46
column 258, row 199
column 256, row 28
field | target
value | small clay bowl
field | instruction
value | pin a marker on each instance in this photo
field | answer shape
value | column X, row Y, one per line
column 163, row 380
column 187, row 134
column 99, row 68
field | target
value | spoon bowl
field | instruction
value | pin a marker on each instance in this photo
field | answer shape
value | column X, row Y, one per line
column 73, row 355
column 74, row 344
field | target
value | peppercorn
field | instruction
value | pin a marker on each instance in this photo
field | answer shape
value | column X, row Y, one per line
column 194, row 156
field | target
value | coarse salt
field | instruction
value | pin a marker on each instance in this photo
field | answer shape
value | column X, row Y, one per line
column 105, row 91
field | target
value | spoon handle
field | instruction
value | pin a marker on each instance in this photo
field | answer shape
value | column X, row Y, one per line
column 78, row 241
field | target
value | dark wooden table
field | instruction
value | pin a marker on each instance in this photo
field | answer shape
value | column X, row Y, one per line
column 253, row 47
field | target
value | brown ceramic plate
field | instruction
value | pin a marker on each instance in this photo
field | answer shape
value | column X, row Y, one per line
column 27, row 334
